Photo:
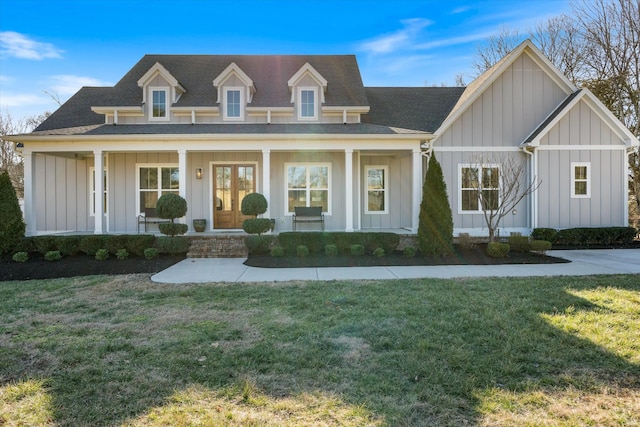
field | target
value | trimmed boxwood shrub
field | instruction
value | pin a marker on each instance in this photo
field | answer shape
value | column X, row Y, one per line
column 378, row 252
column 25, row 245
column 498, row 250
column 102, row 254
column 172, row 228
column 257, row 225
column 357, row 250
column 68, row 245
column 137, row 243
column 519, row 243
column 172, row 245
column 253, row 204
column 21, row 257
column 548, row 234
column 409, row 252
column 290, row 241
column 113, row 243
column 53, row 256
column 90, row 244
column 540, row 246
column 331, row 250
column 122, row 254
column 302, row 251
column 277, row 252
column 44, row 244
column 150, row 253
column 258, row 245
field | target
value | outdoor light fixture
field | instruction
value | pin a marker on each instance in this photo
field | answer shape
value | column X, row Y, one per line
column 198, row 173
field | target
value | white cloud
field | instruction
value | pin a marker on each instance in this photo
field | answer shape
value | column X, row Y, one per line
column 20, row 46
column 22, row 100
column 401, row 38
column 67, row 84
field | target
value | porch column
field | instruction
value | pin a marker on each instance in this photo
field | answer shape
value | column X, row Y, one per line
column 266, row 180
column 98, row 178
column 29, row 208
column 417, row 190
column 182, row 178
column 348, row 171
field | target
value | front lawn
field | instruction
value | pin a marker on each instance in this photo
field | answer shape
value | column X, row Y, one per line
column 123, row 350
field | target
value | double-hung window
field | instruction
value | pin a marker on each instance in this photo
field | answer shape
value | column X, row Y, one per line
column 377, row 200
column 233, row 103
column 479, row 188
column 154, row 181
column 308, row 109
column 308, row 185
column 92, row 195
column 159, row 104
column 580, row 180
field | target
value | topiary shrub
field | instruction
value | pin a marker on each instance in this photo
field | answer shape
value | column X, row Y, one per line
column 21, row 257
column 498, row 250
column 258, row 245
column 53, row 256
column 257, row 225
column 102, row 254
column 172, row 245
column 435, row 227
column 171, row 206
column 254, row 204
column 12, row 226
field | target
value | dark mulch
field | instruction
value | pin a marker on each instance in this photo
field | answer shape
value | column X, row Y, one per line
column 81, row 265
column 462, row 256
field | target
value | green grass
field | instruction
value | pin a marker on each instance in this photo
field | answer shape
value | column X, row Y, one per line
column 125, row 351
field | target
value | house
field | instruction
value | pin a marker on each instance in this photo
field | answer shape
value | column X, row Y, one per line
column 303, row 130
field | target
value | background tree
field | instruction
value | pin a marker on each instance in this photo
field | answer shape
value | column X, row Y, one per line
column 596, row 47
column 435, row 227
column 12, row 226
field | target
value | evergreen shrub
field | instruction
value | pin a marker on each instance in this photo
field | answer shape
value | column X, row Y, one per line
column 302, row 251
column 378, row 252
column 102, row 254
column 331, row 250
column 498, row 250
column 21, row 257
column 258, row 245
column 53, row 256
column 122, row 254
column 150, row 253
column 357, row 250
column 12, row 226
column 435, row 227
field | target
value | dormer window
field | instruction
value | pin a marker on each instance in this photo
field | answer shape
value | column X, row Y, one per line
column 233, row 109
column 159, row 104
column 308, row 108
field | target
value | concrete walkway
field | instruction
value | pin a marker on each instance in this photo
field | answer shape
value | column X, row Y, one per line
column 583, row 262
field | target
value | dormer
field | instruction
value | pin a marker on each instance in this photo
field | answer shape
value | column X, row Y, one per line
column 307, row 88
column 159, row 90
column 235, row 90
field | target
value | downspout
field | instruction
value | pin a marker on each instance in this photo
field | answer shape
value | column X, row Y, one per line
column 534, row 199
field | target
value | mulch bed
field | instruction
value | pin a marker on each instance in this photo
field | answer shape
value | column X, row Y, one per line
column 81, row 265
column 462, row 256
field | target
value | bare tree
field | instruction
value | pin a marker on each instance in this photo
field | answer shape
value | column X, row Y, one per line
column 499, row 184
column 496, row 47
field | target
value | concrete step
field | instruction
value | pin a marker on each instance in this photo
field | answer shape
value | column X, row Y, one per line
column 218, row 247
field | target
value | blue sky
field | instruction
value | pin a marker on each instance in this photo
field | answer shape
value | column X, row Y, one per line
column 57, row 46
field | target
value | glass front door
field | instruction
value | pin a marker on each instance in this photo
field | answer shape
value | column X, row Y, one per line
column 231, row 184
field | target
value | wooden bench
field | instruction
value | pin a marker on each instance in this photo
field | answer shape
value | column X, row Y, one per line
column 150, row 216
column 308, row 214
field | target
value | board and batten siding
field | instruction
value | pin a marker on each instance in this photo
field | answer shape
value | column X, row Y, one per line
column 61, row 193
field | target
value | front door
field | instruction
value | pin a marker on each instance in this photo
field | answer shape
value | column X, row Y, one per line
column 231, row 184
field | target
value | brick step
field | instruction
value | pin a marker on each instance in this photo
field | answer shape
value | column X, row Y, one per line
column 218, row 247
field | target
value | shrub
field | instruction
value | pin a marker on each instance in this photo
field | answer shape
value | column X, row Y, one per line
column 257, row 225
column 150, row 253
column 53, row 256
column 137, row 243
column 44, row 244
column 435, row 226
column 548, row 234
column 171, row 206
column 331, row 250
column 68, row 245
column 12, row 226
column 172, row 228
column 102, row 254
column 498, row 250
column 21, row 257
column 122, row 254
column 172, row 245
column 25, row 245
column 277, row 251
column 540, row 246
column 357, row 250
column 519, row 243
column 258, row 245
column 378, row 252
column 290, row 241
column 253, row 204
column 465, row 241
column 409, row 252
column 113, row 243
column 90, row 244
column 302, row 251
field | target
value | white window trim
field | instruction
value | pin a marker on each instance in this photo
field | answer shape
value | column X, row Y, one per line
column 385, row 168
column 313, row 89
column 167, row 95
column 241, row 90
column 462, row 166
column 286, row 185
column 153, row 165
column 92, row 192
column 574, row 180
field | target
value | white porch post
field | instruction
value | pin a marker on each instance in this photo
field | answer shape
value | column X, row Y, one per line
column 29, row 208
column 417, row 189
column 348, row 171
column 182, row 177
column 98, row 178
column 266, row 180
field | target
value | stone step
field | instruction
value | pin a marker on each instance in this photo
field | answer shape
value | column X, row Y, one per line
column 218, row 247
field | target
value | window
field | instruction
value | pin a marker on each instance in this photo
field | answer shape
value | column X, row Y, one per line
column 308, row 185
column 308, row 108
column 159, row 104
column 479, row 186
column 233, row 103
column 154, row 181
column 376, row 179
column 92, row 193
column 580, row 180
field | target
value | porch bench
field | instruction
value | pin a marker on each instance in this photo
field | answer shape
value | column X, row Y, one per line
column 305, row 214
column 150, row 216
